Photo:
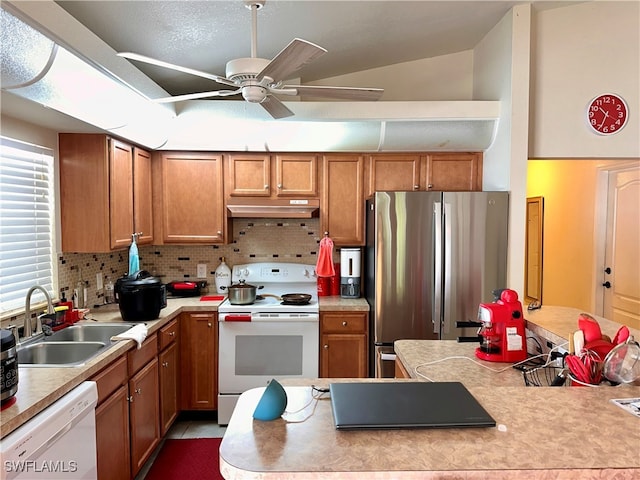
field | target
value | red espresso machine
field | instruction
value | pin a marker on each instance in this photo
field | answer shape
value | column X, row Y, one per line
column 502, row 331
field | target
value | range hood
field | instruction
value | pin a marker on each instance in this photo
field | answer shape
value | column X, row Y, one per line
column 272, row 208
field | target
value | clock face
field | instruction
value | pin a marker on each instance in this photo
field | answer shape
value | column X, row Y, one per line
column 607, row 114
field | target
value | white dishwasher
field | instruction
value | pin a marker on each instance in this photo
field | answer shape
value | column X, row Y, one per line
column 58, row 443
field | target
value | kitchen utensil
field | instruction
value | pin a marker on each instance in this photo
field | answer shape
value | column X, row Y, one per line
column 295, row 298
column 242, row 293
column 590, row 327
column 578, row 341
column 622, row 363
column 186, row 288
column 140, row 296
column 9, row 362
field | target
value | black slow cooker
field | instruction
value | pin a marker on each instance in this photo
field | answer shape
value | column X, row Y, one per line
column 9, row 366
column 140, row 296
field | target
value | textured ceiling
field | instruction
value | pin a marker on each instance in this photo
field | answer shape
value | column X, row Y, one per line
column 358, row 35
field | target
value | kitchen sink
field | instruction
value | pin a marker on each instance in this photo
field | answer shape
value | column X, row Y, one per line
column 89, row 332
column 58, row 354
column 70, row 347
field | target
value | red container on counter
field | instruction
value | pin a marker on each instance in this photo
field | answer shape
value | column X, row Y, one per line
column 335, row 281
column 324, row 286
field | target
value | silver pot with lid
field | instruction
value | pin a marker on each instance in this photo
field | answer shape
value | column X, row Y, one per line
column 242, row 293
column 9, row 366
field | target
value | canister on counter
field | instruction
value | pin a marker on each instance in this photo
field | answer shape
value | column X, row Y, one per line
column 324, row 286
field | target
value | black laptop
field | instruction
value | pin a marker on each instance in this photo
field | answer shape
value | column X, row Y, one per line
column 378, row 405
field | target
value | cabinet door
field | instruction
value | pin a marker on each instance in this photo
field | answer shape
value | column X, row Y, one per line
column 199, row 361
column 120, row 193
column 142, row 196
column 248, row 175
column 342, row 202
column 449, row 172
column 393, row 172
column 144, row 414
column 296, row 175
column 192, row 198
column 112, row 437
column 168, row 387
column 343, row 356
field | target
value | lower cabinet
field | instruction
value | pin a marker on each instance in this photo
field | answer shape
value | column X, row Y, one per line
column 343, row 344
column 112, row 422
column 128, row 412
column 400, row 370
column 168, row 364
column 199, row 360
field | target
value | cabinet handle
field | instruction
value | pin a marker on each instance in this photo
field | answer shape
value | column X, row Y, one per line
column 130, row 399
column 279, row 185
column 325, row 346
column 416, row 187
column 171, row 334
column 430, row 185
column 165, row 364
column 219, row 232
column 209, row 324
column 266, row 187
column 344, row 324
column 138, row 391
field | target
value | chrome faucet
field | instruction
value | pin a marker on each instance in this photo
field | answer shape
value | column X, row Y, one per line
column 27, row 329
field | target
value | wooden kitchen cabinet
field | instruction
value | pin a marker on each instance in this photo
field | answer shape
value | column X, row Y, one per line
column 400, row 370
column 169, row 367
column 199, row 361
column 450, row 172
column 264, row 175
column 424, row 172
column 100, row 189
column 342, row 205
column 344, row 344
column 142, row 196
column 112, row 422
column 188, row 189
column 144, row 402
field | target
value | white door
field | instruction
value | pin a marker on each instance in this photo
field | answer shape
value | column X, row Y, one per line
column 621, row 276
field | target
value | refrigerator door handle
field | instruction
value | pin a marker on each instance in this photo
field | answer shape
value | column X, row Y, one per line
column 448, row 236
column 436, row 318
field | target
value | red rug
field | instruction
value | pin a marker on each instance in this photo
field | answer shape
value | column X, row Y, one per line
column 187, row 459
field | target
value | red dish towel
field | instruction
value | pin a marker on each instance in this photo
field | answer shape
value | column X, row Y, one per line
column 324, row 266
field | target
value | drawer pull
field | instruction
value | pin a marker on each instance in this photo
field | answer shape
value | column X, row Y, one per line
column 171, row 334
column 344, row 324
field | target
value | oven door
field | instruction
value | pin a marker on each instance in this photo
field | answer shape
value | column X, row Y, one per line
column 251, row 353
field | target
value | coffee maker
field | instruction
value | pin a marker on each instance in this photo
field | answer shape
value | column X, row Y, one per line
column 350, row 273
column 502, row 332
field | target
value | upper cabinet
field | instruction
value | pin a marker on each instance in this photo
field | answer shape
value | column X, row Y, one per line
column 189, row 198
column 99, row 194
column 424, row 172
column 275, row 176
column 342, row 202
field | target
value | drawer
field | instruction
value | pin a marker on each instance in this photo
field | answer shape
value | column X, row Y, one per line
column 344, row 322
column 111, row 378
column 138, row 358
column 168, row 334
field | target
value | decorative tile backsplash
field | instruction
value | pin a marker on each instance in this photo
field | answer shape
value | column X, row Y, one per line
column 255, row 240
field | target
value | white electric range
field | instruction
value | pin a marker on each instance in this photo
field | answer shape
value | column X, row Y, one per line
column 267, row 339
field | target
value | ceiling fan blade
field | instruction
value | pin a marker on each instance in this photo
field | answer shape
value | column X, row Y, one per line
column 291, row 59
column 191, row 71
column 343, row 93
column 276, row 108
column 194, row 96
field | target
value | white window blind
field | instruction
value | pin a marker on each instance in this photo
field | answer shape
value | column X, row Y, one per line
column 26, row 222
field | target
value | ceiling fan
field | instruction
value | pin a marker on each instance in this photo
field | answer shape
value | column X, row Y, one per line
column 259, row 80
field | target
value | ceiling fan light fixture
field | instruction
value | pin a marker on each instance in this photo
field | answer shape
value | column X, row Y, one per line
column 254, row 93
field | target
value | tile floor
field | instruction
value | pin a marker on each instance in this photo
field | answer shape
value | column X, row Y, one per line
column 188, row 425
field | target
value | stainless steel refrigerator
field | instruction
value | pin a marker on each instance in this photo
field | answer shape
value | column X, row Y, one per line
column 431, row 258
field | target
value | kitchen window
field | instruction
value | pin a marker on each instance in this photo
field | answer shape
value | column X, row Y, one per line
column 26, row 222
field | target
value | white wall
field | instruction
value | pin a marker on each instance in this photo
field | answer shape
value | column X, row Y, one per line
column 447, row 77
column 578, row 53
column 501, row 72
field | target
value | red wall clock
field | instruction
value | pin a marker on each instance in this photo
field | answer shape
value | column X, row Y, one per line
column 607, row 114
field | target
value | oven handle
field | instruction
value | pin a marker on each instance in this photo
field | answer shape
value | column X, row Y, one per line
column 236, row 318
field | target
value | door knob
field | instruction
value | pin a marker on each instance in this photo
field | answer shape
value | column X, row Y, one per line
column 606, row 284
column 607, row 270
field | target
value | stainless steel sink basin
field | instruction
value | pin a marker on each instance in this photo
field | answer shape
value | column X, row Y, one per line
column 70, row 347
column 58, row 354
column 89, row 332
